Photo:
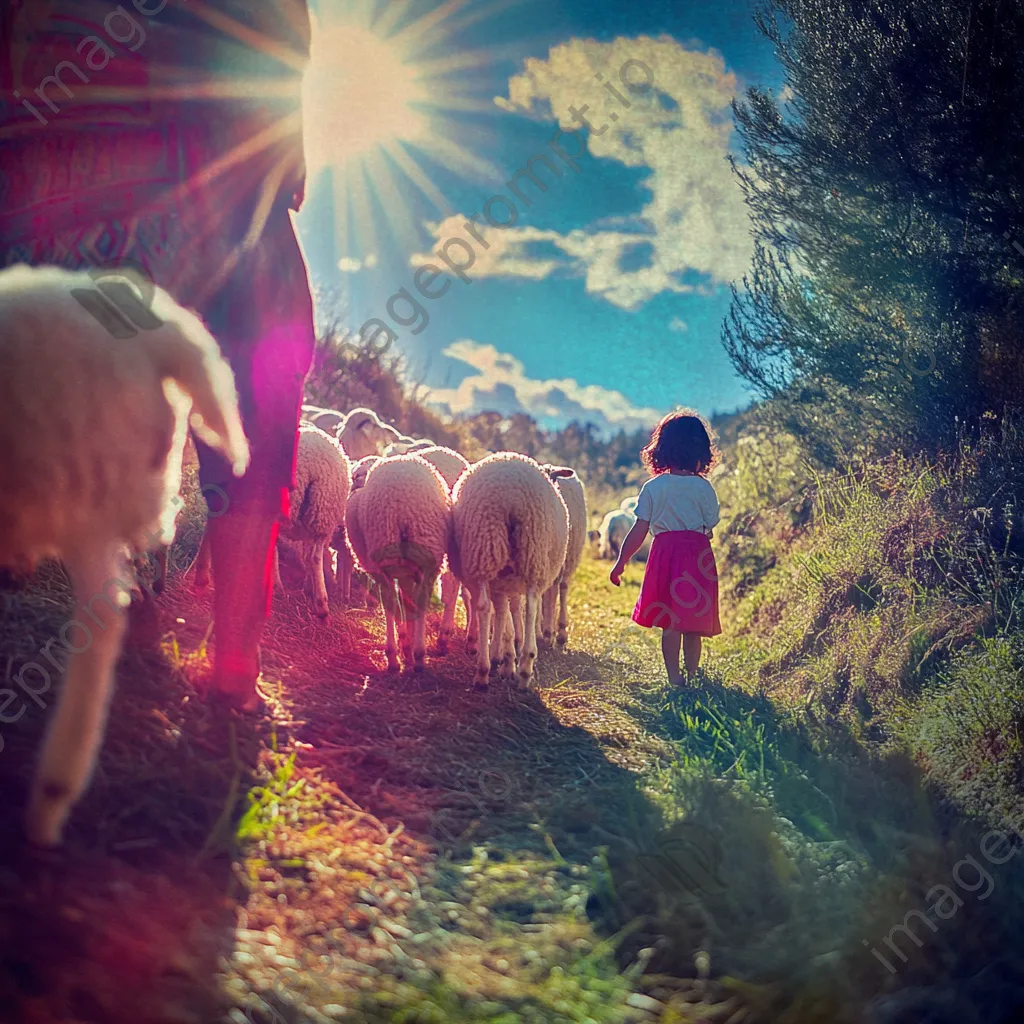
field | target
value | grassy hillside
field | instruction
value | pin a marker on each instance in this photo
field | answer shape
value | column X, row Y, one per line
column 380, row 848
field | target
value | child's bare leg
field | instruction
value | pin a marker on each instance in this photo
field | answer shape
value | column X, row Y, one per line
column 691, row 652
column 670, row 640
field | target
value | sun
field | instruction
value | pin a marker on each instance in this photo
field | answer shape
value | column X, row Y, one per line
column 357, row 94
column 384, row 102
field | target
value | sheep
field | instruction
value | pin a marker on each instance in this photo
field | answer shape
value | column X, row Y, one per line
column 571, row 488
column 406, row 445
column 94, row 429
column 400, row 534
column 316, row 507
column 343, row 542
column 511, row 530
column 614, row 527
column 451, row 465
column 328, row 420
column 362, row 433
column 629, row 504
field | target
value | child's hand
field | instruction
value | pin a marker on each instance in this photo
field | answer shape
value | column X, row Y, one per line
column 616, row 574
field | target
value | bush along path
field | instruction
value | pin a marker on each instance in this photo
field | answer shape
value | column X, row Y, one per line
column 386, row 847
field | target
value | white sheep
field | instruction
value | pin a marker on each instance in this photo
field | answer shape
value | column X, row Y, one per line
column 511, row 530
column 94, row 429
column 451, row 465
column 629, row 504
column 362, row 433
column 328, row 420
column 316, row 508
column 614, row 527
column 400, row 532
column 570, row 486
column 346, row 555
column 407, row 445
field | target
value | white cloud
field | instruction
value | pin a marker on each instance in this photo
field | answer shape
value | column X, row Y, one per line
column 786, row 94
column 696, row 222
column 501, row 385
column 350, row 265
column 681, row 326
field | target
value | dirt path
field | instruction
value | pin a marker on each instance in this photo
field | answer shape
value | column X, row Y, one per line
column 410, row 850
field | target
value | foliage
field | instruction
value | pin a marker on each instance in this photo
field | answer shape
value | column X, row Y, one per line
column 883, row 307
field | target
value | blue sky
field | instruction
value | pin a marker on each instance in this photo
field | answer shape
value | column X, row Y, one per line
column 604, row 299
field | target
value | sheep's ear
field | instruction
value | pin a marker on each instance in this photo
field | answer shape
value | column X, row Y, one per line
column 593, row 535
column 561, row 471
column 365, row 426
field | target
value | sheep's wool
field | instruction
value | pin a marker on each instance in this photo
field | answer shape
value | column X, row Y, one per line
column 511, row 525
column 94, row 426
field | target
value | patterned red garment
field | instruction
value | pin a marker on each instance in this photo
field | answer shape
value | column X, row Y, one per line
column 142, row 130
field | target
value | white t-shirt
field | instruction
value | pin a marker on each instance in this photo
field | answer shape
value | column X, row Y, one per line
column 671, row 502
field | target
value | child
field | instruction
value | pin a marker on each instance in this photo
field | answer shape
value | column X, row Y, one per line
column 680, row 508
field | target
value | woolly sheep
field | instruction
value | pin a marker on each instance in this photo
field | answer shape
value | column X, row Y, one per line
column 316, row 508
column 451, row 465
column 614, row 527
column 400, row 533
column 328, row 420
column 362, row 433
column 346, row 553
column 511, row 530
column 570, row 486
column 629, row 504
column 94, row 429
column 407, row 445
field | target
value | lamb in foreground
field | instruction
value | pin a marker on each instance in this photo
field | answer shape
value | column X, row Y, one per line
column 94, row 430
column 570, row 486
column 511, row 529
column 317, row 509
column 400, row 533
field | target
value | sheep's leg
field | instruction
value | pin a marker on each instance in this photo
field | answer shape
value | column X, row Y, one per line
column 529, row 654
column 482, row 617
column 467, row 603
column 563, row 612
column 518, row 626
column 344, row 574
column 449, row 596
column 503, row 655
column 419, row 642
column 391, row 643
column 203, row 566
column 546, row 616
column 76, row 729
column 330, row 576
column 317, row 551
column 472, row 622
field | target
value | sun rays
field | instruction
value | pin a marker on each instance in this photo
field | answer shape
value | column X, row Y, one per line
column 381, row 100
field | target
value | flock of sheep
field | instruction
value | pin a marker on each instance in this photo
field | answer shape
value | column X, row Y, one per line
column 506, row 531
column 95, row 429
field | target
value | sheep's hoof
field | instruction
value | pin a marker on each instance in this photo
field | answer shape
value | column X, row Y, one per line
column 563, row 639
column 322, row 614
column 393, row 665
column 480, row 680
column 419, row 663
column 479, row 687
column 442, row 645
column 471, row 649
column 547, row 636
column 525, row 680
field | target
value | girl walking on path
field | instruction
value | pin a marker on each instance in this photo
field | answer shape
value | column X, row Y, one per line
column 680, row 508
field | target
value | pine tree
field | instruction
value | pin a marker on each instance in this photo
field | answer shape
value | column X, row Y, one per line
column 883, row 303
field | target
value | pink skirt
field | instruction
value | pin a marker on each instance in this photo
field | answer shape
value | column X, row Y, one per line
column 680, row 588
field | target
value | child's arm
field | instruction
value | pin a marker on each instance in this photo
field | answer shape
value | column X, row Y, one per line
column 630, row 546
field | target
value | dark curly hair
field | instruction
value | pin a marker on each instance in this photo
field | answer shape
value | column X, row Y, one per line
column 682, row 440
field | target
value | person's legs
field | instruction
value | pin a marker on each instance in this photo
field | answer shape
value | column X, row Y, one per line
column 670, row 640
column 691, row 653
column 263, row 319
